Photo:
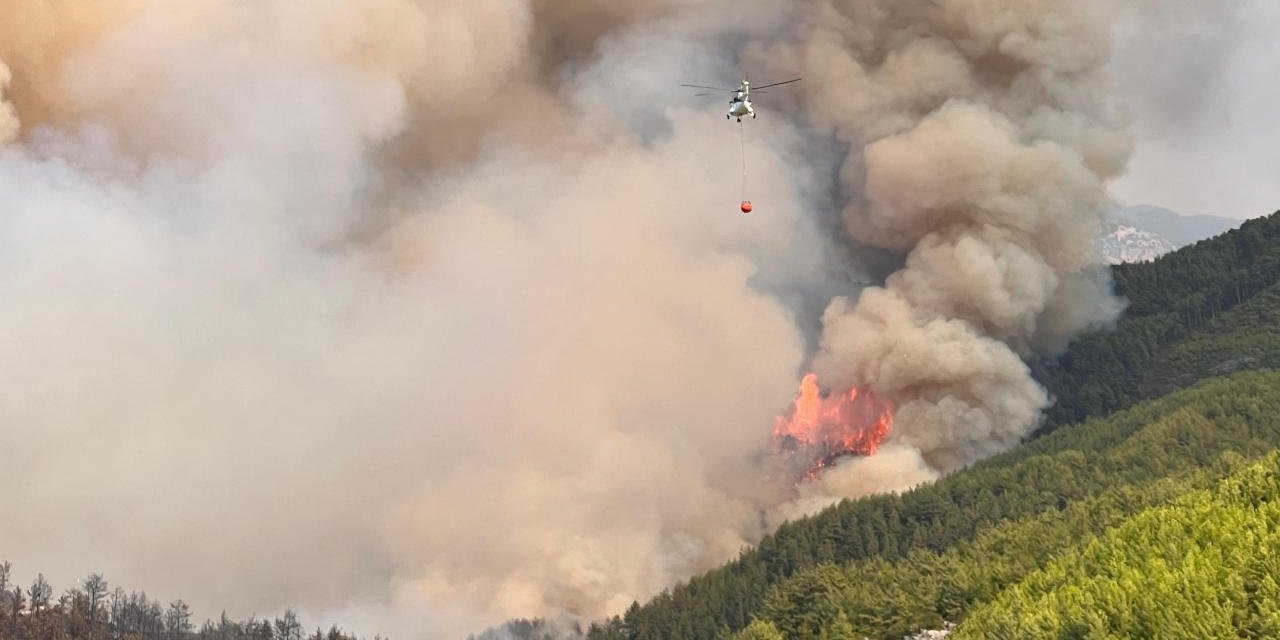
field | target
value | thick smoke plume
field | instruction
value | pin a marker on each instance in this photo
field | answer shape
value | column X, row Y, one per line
column 426, row 313
column 981, row 141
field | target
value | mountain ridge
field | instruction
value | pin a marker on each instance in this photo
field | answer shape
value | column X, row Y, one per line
column 1143, row 233
column 1180, row 229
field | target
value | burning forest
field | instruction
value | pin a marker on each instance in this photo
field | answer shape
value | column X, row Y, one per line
column 824, row 427
column 448, row 282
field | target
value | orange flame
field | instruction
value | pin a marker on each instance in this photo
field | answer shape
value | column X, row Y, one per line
column 852, row 423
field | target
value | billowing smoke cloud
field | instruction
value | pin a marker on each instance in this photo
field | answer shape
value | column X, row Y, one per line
column 442, row 311
column 981, row 140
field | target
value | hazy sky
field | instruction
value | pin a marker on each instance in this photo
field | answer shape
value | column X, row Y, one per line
column 1200, row 79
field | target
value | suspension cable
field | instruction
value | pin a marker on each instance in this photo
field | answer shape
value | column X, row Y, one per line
column 742, row 144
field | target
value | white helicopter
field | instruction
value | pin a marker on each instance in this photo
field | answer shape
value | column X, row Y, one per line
column 740, row 103
column 740, row 106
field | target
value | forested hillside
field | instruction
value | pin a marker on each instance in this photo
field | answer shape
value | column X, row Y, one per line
column 1198, row 565
column 1202, row 311
column 1204, row 566
column 91, row 610
column 892, row 564
column 889, row 565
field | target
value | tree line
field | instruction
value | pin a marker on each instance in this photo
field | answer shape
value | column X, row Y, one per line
column 92, row 610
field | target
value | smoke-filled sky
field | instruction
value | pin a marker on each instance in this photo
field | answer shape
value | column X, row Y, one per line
column 419, row 314
column 1199, row 79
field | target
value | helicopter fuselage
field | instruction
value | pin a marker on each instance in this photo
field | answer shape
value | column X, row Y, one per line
column 740, row 105
column 740, row 108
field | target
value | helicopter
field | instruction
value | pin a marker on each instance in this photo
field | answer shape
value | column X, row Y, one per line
column 740, row 107
column 740, row 103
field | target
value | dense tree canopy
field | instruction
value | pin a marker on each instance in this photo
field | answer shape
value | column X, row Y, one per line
column 1205, row 566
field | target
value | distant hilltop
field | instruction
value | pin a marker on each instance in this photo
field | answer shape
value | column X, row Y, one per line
column 1142, row 233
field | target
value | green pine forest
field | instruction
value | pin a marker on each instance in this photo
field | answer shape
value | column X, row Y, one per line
column 1147, row 507
column 93, row 610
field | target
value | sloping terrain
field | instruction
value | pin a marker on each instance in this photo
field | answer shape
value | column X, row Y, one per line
column 1104, row 474
column 1195, row 296
column 887, row 565
column 1203, row 566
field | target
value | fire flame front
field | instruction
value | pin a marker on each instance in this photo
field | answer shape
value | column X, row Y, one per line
column 823, row 429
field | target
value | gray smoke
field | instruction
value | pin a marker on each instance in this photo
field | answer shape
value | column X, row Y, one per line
column 981, row 139
column 421, row 314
